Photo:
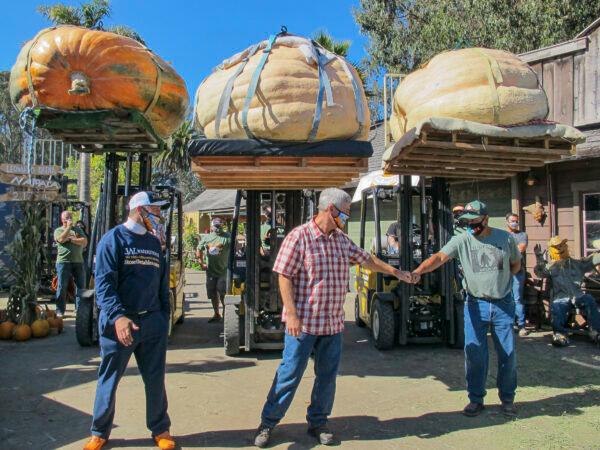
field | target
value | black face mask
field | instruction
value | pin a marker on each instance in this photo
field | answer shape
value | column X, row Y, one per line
column 476, row 228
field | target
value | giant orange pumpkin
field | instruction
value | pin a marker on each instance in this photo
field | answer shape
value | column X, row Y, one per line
column 77, row 69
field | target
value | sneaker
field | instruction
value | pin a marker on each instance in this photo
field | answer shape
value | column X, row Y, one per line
column 95, row 443
column 262, row 437
column 560, row 340
column 523, row 332
column 215, row 318
column 322, row 433
column 473, row 409
column 165, row 441
column 509, row 409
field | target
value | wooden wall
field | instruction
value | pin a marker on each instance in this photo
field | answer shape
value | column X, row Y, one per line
column 566, row 176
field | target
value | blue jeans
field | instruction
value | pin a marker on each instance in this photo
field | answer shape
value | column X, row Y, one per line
column 63, row 273
column 518, row 282
column 480, row 316
column 562, row 306
column 150, row 349
column 296, row 352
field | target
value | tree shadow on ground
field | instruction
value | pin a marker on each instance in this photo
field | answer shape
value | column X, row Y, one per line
column 539, row 363
column 370, row 428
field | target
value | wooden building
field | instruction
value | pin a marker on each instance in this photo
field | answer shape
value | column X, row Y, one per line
column 569, row 190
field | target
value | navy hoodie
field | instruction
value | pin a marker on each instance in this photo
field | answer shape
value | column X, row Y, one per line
column 131, row 275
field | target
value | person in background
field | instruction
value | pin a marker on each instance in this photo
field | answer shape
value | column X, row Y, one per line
column 213, row 255
column 132, row 293
column 518, row 282
column 393, row 234
column 489, row 257
column 70, row 241
column 566, row 275
column 313, row 266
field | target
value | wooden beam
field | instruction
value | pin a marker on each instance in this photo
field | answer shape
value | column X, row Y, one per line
column 501, row 149
column 471, row 163
column 553, row 51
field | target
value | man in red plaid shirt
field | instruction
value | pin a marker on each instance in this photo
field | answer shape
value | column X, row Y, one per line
column 313, row 266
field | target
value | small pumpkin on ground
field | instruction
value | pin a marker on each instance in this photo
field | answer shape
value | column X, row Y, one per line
column 6, row 329
column 40, row 328
column 22, row 333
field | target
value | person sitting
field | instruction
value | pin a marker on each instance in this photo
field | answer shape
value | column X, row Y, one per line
column 393, row 234
column 567, row 274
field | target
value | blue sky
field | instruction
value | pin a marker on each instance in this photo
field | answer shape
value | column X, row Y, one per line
column 196, row 35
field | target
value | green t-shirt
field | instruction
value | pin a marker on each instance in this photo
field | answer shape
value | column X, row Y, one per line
column 265, row 241
column 485, row 262
column 69, row 252
column 216, row 264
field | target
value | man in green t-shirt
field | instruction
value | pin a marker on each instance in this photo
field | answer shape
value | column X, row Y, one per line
column 70, row 241
column 489, row 257
column 213, row 254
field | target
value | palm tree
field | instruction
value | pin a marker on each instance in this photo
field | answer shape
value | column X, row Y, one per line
column 341, row 48
column 175, row 157
column 88, row 15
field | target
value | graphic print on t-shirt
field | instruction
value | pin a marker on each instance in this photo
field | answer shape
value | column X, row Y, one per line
column 142, row 257
column 487, row 259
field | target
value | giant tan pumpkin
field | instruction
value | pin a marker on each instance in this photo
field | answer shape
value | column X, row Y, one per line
column 77, row 69
column 284, row 103
column 478, row 84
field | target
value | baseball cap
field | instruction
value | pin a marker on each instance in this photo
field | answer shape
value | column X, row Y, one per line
column 474, row 210
column 216, row 222
column 145, row 198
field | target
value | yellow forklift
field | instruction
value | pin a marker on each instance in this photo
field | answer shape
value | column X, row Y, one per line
column 253, row 304
column 430, row 312
column 110, row 211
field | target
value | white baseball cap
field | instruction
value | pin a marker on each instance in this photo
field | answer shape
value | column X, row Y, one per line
column 145, row 198
column 216, row 221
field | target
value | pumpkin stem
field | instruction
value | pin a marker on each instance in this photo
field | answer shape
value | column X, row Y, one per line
column 80, row 84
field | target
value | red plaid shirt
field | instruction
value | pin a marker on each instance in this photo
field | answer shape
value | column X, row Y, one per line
column 318, row 265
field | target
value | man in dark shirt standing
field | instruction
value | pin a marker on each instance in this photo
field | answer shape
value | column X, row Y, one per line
column 132, row 292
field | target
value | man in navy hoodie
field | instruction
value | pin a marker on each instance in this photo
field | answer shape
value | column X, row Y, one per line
column 132, row 292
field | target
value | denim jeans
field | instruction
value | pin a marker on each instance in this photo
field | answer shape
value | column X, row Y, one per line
column 480, row 316
column 296, row 352
column 562, row 306
column 63, row 273
column 518, row 283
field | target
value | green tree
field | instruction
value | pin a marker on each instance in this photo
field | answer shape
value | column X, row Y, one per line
column 89, row 15
column 404, row 34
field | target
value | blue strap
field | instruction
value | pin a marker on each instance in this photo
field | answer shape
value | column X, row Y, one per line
column 319, row 107
column 360, row 113
column 254, row 84
column 223, row 107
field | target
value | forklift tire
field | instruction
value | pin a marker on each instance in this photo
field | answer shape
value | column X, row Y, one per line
column 231, row 330
column 459, row 324
column 382, row 324
column 84, row 322
column 357, row 320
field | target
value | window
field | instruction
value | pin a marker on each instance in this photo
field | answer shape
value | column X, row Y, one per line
column 591, row 223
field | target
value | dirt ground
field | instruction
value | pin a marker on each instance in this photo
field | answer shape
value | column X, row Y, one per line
column 406, row 398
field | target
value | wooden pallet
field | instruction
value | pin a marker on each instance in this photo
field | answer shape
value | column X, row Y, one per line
column 462, row 155
column 115, row 132
column 276, row 172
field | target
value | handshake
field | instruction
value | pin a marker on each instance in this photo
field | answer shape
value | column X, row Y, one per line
column 408, row 277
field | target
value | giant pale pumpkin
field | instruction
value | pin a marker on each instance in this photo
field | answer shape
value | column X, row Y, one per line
column 283, row 106
column 477, row 84
column 77, row 69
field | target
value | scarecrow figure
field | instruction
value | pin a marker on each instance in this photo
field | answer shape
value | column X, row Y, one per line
column 567, row 275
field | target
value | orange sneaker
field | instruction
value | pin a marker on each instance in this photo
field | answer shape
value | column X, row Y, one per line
column 165, row 441
column 95, row 443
